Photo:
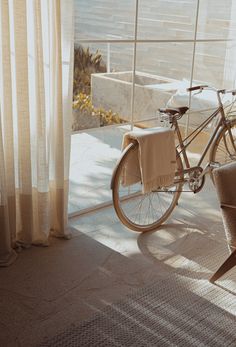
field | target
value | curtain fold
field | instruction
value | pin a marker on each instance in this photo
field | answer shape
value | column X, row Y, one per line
column 36, row 72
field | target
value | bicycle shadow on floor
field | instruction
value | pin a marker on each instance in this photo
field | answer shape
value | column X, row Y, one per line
column 186, row 250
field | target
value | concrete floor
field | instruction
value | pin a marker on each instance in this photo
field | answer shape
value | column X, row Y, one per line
column 94, row 154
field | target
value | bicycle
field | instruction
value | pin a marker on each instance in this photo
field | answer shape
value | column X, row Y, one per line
column 146, row 212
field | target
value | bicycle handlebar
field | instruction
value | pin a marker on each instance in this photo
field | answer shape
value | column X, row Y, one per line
column 196, row 88
column 233, row 91
column 201, row 87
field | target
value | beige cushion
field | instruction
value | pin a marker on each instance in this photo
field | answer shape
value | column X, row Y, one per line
column 225, row 183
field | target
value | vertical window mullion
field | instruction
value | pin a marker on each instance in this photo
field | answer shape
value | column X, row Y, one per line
column 192, row 67
column 134, row 63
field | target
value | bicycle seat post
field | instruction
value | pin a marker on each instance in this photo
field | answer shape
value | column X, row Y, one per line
column 180, row 140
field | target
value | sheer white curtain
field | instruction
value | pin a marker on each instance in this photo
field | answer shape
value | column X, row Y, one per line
column 36, row 67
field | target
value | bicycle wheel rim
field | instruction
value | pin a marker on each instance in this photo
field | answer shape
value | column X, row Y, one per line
column 143, row 212
column 223, row 151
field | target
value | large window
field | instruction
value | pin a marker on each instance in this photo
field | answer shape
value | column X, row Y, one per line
column 138, row 47
column 134, row 56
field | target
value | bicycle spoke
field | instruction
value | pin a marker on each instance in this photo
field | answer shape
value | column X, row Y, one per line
column 224, row 151
column 141, row 211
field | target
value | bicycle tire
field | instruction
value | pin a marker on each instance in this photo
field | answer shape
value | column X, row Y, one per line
column 126, row 197
column 222, row 150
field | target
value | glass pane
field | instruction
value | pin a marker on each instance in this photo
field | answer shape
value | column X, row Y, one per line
column 217, row 19
column 215, row 64
column 99, row 19
column 102, row 96
column 102, row 85
column 161, row 71
column 94, row 154
column 112, row 91
column 166, row 20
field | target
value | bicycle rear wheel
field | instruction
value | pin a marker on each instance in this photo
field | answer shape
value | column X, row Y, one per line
column 223, row 151
column 138, row 211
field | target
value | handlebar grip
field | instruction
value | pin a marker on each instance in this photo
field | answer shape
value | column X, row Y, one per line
column 224, row 91
column 196, row 88
column 233, row 92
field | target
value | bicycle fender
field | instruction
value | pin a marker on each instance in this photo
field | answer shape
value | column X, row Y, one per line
column 123, row 154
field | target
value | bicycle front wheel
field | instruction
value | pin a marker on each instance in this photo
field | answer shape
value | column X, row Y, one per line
column 138, row 211
column 223, row 150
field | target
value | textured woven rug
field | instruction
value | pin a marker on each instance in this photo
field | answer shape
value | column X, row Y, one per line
column 174, row 311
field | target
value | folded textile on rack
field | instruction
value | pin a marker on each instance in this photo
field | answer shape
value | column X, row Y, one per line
column 154, row 161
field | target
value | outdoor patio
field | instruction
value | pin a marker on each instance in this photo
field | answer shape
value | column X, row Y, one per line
column 94, row 153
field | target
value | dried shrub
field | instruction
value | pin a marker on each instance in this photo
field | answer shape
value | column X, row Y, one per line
column 82, row 103
column 85, row 64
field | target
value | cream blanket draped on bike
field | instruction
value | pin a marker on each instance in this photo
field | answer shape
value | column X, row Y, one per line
column 154, row 162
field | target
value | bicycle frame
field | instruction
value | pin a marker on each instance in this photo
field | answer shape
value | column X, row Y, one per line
column 184, row 143
column 141, row 211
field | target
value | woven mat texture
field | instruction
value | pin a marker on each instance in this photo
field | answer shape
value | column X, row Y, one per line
column 173, row 311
